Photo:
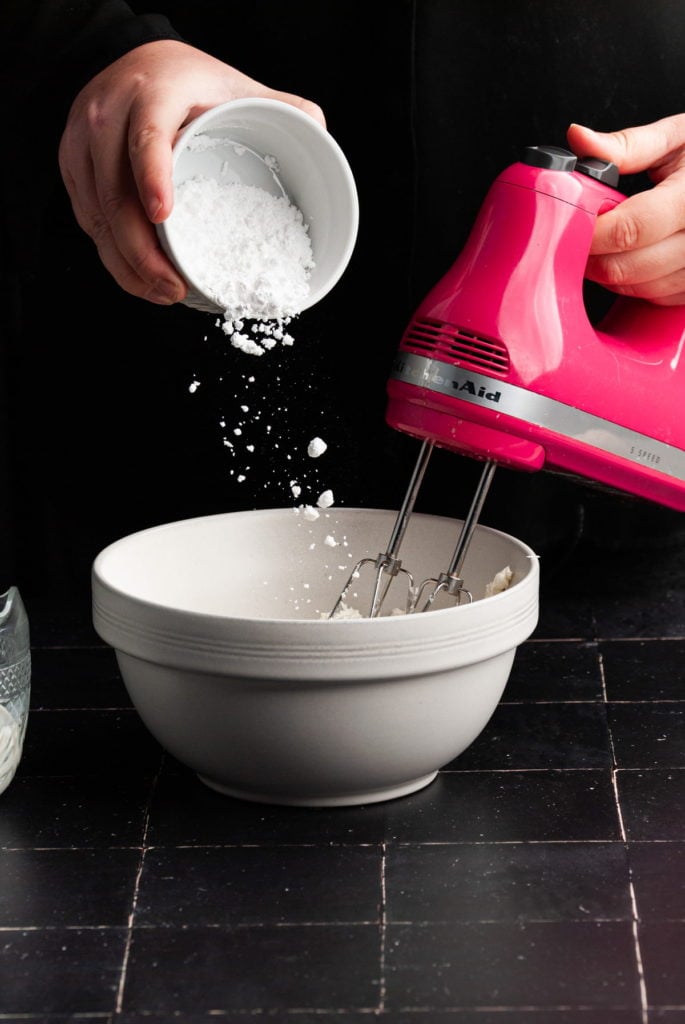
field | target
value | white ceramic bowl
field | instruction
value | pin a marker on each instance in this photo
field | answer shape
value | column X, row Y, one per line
column 244, row 138
column 215, row 623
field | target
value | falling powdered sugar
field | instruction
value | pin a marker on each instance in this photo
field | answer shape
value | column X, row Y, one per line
column 250, row 253
column 316, row 447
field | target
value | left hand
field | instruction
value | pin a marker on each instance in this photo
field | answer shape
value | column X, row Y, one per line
column 638, row 249
column 115, row 154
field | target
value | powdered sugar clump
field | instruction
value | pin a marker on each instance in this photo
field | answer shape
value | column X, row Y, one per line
column 263, row 336
column 345, row 611
column 316, row 447
column 501, row 581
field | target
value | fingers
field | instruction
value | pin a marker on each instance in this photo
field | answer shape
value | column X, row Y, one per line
column 107, row 207
column 665, row 291
column 642, row 219
column 306, row 106
column 128, row 247
column 656, row 273
column 632, row 149
column 127, row 244
column 77, row 173
column 153, row 124
column 150, row 152
column 638, row 248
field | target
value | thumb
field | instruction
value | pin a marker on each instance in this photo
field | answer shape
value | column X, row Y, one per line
column 632, row 149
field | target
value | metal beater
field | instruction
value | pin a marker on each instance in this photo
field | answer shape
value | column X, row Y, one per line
column 388, row 564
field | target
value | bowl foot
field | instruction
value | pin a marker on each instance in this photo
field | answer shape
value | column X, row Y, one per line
column 372, row 796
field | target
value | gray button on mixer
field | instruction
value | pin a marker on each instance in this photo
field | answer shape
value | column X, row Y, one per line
column 601, row 170
column 552, row 158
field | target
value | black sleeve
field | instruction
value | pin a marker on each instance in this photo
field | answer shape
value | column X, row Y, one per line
column 49, row 49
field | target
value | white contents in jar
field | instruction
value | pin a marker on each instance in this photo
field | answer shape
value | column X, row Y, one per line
column 10, row 747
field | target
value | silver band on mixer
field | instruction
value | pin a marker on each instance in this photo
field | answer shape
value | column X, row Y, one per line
column 563, row 419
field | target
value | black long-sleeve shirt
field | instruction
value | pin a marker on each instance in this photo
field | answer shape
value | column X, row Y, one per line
column 60, row 44
column 49, row 49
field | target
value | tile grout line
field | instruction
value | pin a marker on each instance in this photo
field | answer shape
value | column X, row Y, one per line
column 129, row 932
column 631, row 888
column 597, row 638
column 383, row 921
column 134, row 901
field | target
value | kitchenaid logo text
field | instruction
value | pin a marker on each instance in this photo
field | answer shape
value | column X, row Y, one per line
column 462, row 385
column 470, row 387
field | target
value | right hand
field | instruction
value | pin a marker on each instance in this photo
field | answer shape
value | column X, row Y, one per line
column 638, row 248
column 115, row 153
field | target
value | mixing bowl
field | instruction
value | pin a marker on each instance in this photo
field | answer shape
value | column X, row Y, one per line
column 220, row 629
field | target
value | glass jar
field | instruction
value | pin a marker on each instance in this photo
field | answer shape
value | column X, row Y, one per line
column 15, row 682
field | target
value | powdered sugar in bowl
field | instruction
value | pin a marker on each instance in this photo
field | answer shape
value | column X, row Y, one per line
column 266, row 210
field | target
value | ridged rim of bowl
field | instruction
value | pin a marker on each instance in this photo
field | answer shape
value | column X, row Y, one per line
column 312, row 648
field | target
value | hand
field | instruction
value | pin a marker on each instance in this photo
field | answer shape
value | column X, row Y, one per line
column 638, row 249
column 115, row 153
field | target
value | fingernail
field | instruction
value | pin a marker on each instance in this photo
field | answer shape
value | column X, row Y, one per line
column 165, row 293
column 154, row 205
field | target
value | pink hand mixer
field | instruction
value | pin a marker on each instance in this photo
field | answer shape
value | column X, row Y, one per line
column 500, row 361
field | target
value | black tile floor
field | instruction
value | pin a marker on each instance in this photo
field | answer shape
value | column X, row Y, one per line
column 540, row 878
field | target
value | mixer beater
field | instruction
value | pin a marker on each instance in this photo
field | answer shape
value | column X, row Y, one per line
column 501, row 362
column 388, row 564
